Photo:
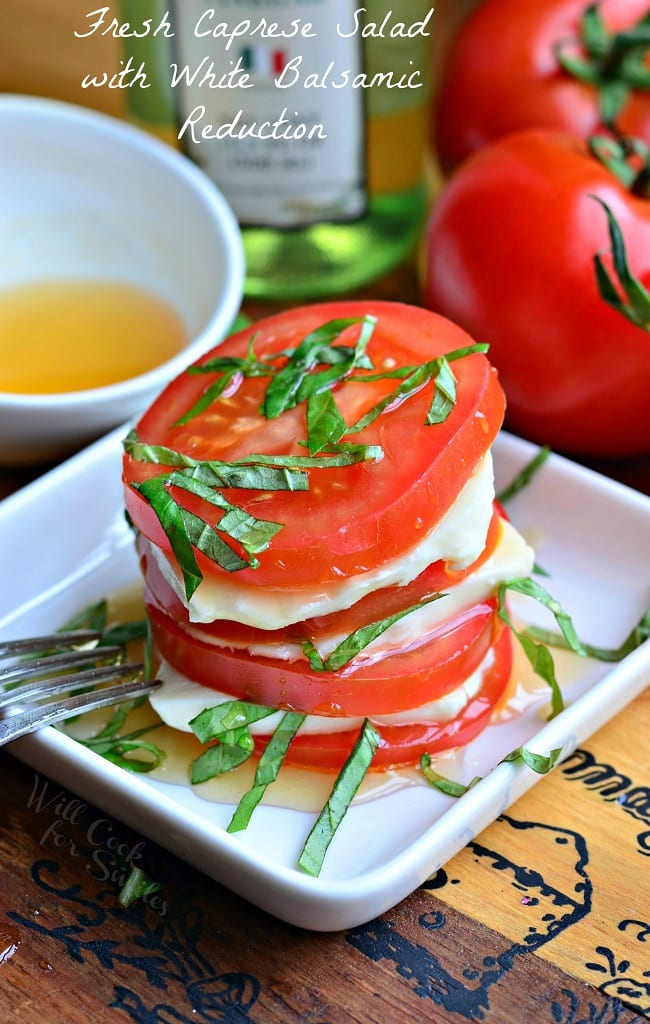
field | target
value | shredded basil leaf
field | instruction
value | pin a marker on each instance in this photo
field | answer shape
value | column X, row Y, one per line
column 410, row 385
column 228, row 751
column 212, row 393
column 447, row 786
column 268, row 767
column 413, row 379
column 343, row 792
column 284, row 391
column 234, row 370
column 325, row 424
column 525, row 475
column 444, row 396
column 226, row 726
column 253, row 534
column 119, row 749
column 186, row 531
column 355, row 642
column 136, row 885
column 637, row 636
column 214, row 721
column 539, row 763
column 252, row 473
column 538, row 654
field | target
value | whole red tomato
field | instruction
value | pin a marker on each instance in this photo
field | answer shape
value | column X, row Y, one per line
column 504, row 72
column 510, row 257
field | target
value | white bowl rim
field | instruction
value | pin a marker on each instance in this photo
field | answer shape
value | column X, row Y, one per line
column 182, row 166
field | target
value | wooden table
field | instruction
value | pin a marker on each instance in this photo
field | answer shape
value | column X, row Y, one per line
column 545, row 917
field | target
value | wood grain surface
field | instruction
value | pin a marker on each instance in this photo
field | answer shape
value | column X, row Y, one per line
column 543, row 918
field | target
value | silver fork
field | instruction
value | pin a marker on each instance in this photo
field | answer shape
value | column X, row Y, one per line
column 26, row 685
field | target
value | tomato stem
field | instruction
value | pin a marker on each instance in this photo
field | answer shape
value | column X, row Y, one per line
column 613, row 63
column 628, row 159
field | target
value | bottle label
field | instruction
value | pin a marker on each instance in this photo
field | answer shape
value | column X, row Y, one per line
column 266, row 105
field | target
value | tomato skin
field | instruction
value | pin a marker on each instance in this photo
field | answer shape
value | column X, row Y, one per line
column 403, row 745
column 502, row 76
column 354, row 518
column 510, row 249
column 397, row 682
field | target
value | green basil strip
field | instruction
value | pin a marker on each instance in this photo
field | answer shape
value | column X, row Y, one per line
column 169, row 515
column 355, row 642
column 249, row 473
column 117, row 755
column 539, row 655
column 137, row 885
column 124, row 633
column 400, row 372
column 253, row 534
column 525, row 475
column 539, row 763
column 94, row 616
column 342, row 360
column 447, row 786
column 343, row 792
column 249, row 366
column 231, row 367
column 530, row 588
column 413, row 379
column 410, row 385
column 637, row 636
column 325, row 425
column 283, row 391
column 342, row 455
column 230, row 750
column 186, row 530
column 444, row 396
column 268, row 767
column 211, row 394
column 206, row 540
column 114, row 748
column 213, row 722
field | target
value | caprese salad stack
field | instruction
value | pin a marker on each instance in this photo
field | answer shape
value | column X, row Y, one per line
column 321, row 549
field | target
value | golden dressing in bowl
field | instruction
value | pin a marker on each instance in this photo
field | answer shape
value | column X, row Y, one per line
column 70, row 335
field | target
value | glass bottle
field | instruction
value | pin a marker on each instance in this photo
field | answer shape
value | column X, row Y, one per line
column 333, row 195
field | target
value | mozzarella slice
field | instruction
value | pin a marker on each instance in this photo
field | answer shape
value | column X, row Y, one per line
column 512, row 557
column 179, row 700
column 459, row 537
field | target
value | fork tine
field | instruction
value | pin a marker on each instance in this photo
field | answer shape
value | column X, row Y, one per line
column 72, row 681
column 52, row 663
column 30, row 645
column 41, row 715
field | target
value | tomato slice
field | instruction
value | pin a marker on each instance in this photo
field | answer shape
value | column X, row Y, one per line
column 405, row 744
column 405, row 679
column 380, row 604
column 355, row 518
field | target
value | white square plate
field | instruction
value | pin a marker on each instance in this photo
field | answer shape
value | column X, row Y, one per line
column 64, row 543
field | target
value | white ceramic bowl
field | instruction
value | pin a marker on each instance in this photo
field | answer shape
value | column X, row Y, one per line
column 84, row 195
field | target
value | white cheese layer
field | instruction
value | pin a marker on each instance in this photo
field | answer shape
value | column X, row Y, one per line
column 179, row 700
column 512, row 557
column 459, row 537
